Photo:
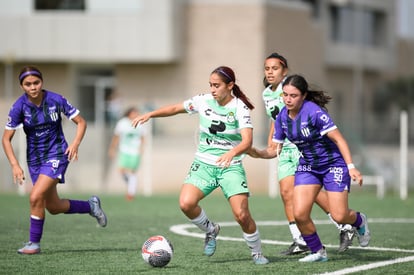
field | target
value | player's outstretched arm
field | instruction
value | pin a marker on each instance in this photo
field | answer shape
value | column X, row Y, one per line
column 272, row 151
column 165, row 111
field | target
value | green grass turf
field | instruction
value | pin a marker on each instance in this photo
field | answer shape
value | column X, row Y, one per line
column 73, row 244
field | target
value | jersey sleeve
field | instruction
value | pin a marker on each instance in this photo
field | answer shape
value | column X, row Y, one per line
column 243, row 116
column 15, row 117
column 324, row 122
column 191, row 105
column 279, row 135
column 67, row 108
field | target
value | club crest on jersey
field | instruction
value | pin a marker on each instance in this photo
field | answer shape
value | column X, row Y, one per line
column 230, row 117
column 54, row 116
column 305, row 132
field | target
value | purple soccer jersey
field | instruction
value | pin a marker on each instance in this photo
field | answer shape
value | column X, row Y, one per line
column 308, row 132
column 42, row 125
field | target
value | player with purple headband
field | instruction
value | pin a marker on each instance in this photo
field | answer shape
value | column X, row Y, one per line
column 325, row 161
column 40, row 112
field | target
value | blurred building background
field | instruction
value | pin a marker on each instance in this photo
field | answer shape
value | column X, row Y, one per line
column 105, row 56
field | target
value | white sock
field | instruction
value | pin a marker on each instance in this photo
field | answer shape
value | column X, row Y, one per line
column 253, row 242
column 334, row 222
column 132, row 184
column 203, row 222
column 296, row 235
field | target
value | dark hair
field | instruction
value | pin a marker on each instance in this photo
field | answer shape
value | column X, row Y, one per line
column 299, row 82
column 29, row 70
column 282, row 61
column 281, row 58
column 227, row 75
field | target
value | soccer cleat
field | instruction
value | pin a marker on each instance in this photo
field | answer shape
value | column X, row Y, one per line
column 210, row 241
column 346, row 235
column 96, row 210
column 364, row 235
column 295, row 248
column 30, row 249
column 258, row 258
column 319, row 256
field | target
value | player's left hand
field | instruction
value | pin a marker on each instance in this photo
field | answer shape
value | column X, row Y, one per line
column 225, row 160
column 72, row 152
column 356, row 175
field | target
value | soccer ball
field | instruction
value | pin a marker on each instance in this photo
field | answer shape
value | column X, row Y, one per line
column 157, row 251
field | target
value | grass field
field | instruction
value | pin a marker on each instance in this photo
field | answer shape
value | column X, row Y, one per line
column 73, row 244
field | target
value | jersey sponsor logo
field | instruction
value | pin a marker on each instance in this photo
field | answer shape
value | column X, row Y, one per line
column 247, row 120
column 324, row 118
column 191, row 107
column 55, row 164
column 244, row 184
column 217, row 126
column 208, row 112
column 224, row 143
column 274, row 112
column 338, row 173
column 27, row 117
column 39, row 134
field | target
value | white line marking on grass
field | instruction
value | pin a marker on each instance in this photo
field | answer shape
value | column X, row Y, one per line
column 370, row 266
column 182, row 229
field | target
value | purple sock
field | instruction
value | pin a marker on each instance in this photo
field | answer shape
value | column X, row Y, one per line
column 358, row 221
column 36, row 229
column 313, row 242
column 77, row 207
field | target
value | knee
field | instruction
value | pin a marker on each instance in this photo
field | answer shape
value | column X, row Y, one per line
column 301, row 216
column 339, row 217
column 287, row 195
column 242, row 217
column 35, row 201
column 186, row 205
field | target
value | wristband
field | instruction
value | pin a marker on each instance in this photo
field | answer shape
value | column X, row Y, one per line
column 350, row 166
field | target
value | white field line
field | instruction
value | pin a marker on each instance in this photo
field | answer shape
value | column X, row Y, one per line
column 182, row 229
column 370, row 266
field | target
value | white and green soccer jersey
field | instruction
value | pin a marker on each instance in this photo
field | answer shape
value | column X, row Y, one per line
column 273, row 102
column 129, row 137
column 219, row 126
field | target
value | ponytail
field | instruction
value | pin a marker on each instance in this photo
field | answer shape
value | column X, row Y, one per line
column 239, row 94
column 318, row 97
column 227, row 75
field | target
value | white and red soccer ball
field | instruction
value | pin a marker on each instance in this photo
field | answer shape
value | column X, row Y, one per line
column 157, row 251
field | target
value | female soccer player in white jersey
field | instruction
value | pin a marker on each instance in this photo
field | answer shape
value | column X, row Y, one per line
column 40, row 112
column 225, row 135
column 275, row 71
column 325, row 162
column 128, row 142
